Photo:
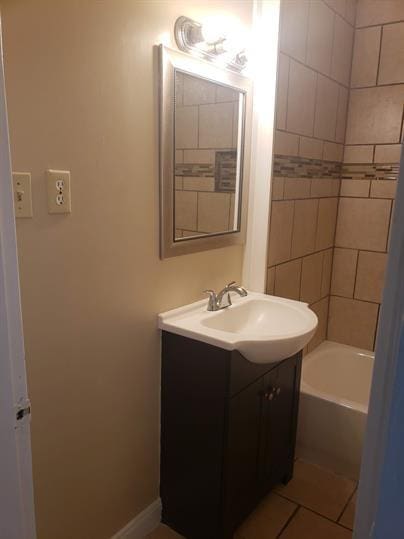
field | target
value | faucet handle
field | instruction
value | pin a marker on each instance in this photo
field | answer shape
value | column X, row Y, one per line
column 212, row 299
column 230, row 284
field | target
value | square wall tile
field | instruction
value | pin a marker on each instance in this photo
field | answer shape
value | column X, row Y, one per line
column 321, row 310
column 366, row 57
column 384, row 124
column 371, row 12
column 319, row 38
column 392, row 54
column 370, row 276
column 213, row 212
column 293, row 28
column 311, row 148
column 342, row 114
column 344, row 272
column 286, row 144
column 363, row 223
column 216, row 125
column 202, row 157
column 196, row 183
column 198, row 91
column 282, row 91
column 304, row 227
column 342, row 51
column 326, row 108
column 352, row 322
column 280, row 232
column 388, row 153
column 287, row 279
column 327, row 218
column 301, row 99
column 358, row 154
column 350, row 11
column 312, row 272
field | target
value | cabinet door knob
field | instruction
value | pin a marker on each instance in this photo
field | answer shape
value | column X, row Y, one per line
column 278, row 390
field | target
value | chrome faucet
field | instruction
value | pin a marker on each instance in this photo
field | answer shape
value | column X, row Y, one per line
column 215, row 302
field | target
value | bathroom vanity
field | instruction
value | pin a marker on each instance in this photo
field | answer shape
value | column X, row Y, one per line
column 228, row 431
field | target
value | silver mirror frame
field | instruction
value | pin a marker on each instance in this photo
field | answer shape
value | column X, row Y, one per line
column 169, row 62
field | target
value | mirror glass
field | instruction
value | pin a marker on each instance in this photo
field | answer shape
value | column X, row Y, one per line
column 208, row 143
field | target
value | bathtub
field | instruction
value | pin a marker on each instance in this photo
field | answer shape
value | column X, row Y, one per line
column 333, row 408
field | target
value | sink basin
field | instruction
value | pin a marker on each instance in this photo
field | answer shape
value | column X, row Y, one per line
column 264, row 329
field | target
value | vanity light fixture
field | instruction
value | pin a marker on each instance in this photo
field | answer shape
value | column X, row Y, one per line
column 209, row 43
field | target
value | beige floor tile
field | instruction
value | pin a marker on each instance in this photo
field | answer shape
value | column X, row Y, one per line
column 164, row 532
column 267, row 520
column 348, row 516
column 318, row 489
column 308, row 525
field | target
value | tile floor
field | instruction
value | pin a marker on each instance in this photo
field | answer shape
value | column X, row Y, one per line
column 315, row 504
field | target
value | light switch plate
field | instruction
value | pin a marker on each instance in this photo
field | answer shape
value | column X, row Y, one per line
column 22, row 194
column 59, row 195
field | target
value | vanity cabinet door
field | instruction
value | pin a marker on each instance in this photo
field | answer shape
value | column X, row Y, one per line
column 242, row 455
column 280, row 419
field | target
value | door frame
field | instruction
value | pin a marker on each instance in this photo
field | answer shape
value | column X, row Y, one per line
column 17, row 518
column 379, row 508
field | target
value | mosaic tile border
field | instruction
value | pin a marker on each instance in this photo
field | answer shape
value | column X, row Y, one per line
column 369, row 172
column 195, row 169
column 302, row 167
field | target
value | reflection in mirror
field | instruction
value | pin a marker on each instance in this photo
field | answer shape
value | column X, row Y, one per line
column 208, row 157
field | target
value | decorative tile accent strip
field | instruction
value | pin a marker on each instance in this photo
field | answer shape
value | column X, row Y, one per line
column 194, row 169
column 226, row 171
column 369, row 172
column 302, row 167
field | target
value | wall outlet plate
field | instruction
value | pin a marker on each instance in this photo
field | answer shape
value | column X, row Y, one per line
column 22, row 194
column 59, row 194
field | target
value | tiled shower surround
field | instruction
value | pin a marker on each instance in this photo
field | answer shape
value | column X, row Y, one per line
column 332, row 204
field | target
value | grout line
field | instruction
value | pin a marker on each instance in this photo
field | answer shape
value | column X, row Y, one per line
column 380, row 24
column 356, row 275
column 312, row 510
column 346, row 505
column 356, row 299
column 380, row 54
column 315, row 70
column 292, row 516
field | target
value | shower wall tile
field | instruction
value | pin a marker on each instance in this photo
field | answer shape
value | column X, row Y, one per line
column 392, row 54
column 186, row 203
column 327, row 219
column 286, row 143
column 287, row 279
column 388, row 153
column 352, row 322
column 366, row 57
column 270, row 281
column 304, row 227
column 297, row 188
column 383, row 189
column 293, row 32
column 312, row 271
column 216, row 125
column 320, row 35
column 358, row 154
column 371, row 12
column 355, row 188
column 370, row 276
column 282, row 91
column 213, row 211
column 321, row 310
column 383, row 125
column 363, row 223
column 311, row 148
column 278, row 188
column 333, row 152
column 341, row 114
column 280, row 233
column 326, row 108
column 302, row 89
column 342, row 51
column 344, row 272
column 327, row 272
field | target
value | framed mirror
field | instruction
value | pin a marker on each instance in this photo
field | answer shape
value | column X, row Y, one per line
column 204, row 118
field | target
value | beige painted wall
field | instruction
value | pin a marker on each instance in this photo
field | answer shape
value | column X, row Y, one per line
column 81, row 96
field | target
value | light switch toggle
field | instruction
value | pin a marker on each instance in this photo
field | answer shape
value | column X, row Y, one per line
column 59, row 196
column 22, row 194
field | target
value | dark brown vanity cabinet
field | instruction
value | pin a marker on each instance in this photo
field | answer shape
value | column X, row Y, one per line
column 228, row 431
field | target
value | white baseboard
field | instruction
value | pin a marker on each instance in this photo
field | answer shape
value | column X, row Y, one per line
column 143, row 524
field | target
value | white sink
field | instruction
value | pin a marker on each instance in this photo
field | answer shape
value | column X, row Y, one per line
column 264, row 329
